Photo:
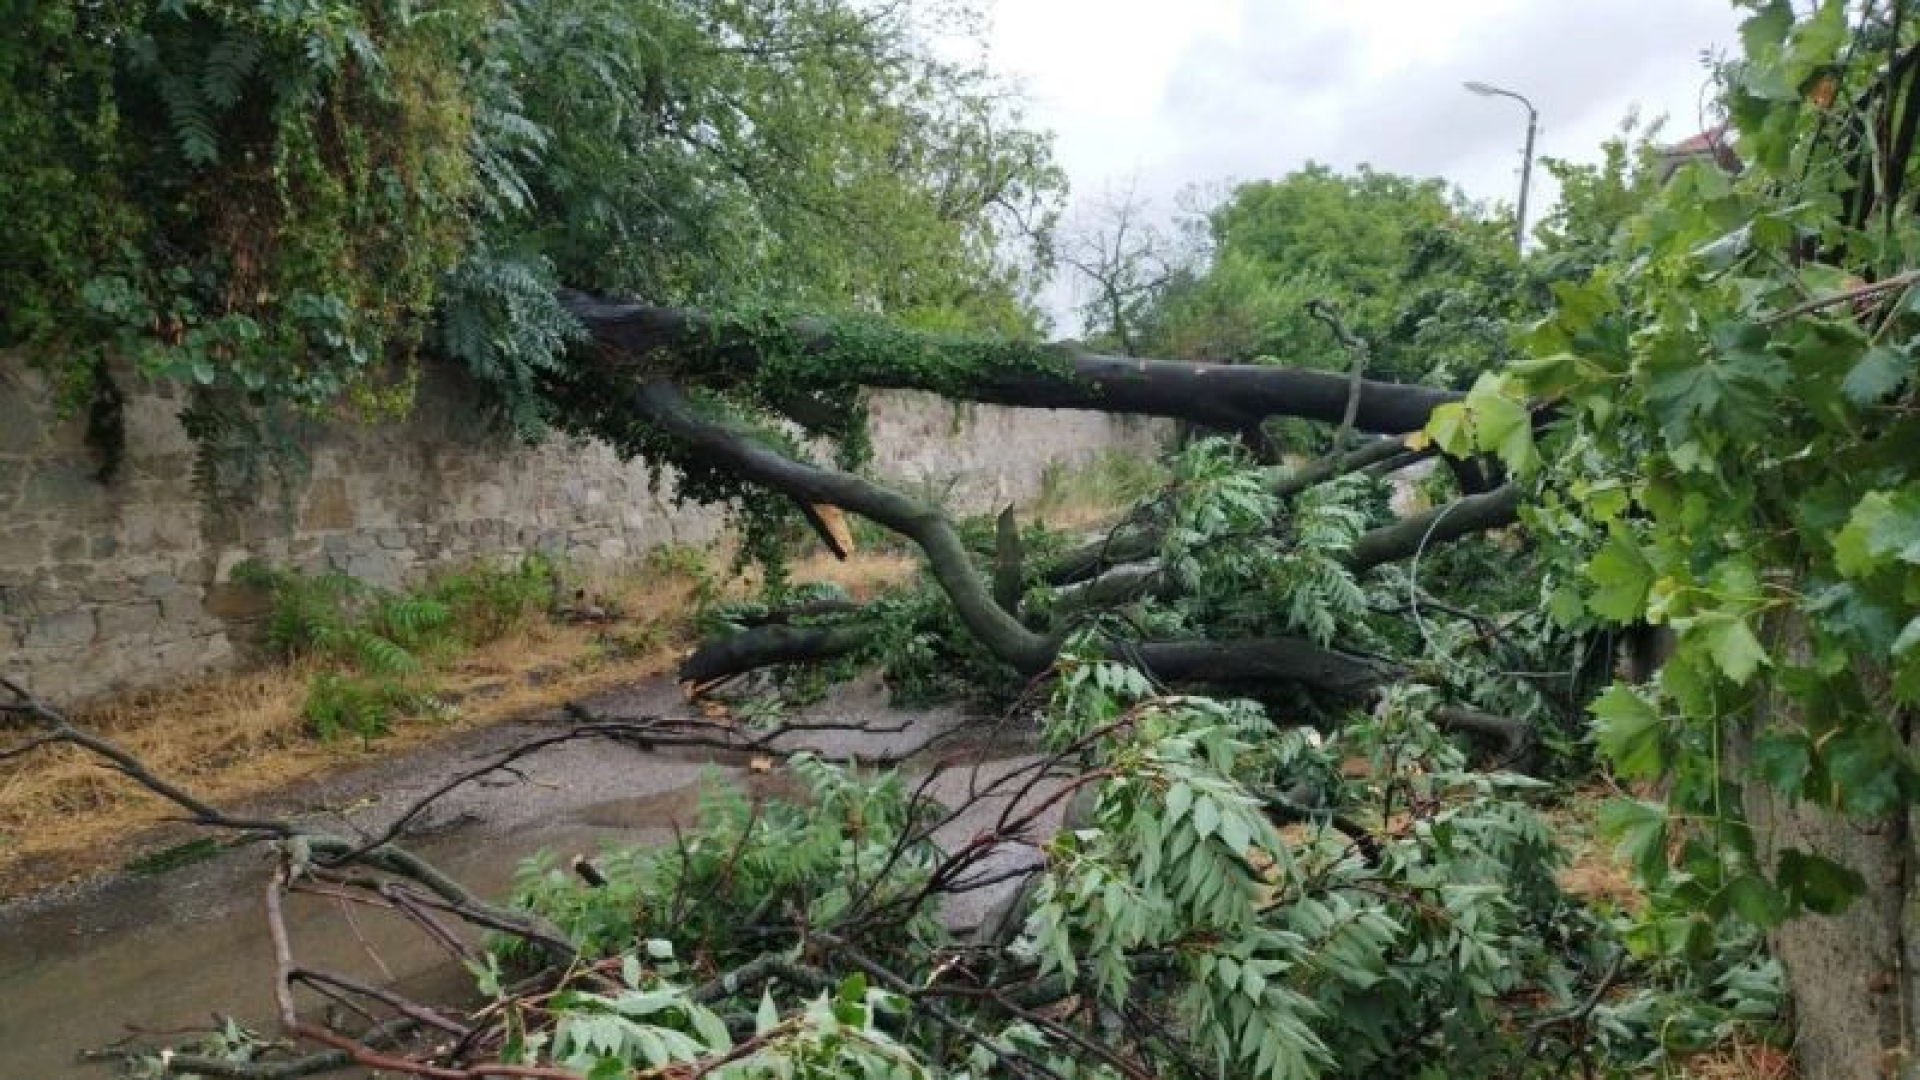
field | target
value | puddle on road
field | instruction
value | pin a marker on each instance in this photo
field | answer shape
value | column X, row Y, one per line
column 167, row 953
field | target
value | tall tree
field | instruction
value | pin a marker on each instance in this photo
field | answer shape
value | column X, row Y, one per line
column 1410, row 267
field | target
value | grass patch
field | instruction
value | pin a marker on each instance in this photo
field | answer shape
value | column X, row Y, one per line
column 377, row 649
column 174, row 857
column 1111, row 479
column 235, row 738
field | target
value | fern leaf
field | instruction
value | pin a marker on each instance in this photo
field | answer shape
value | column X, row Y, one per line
column 228, row 66
column 192, row 124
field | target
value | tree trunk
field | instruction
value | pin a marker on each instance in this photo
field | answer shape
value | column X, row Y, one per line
column 1854, row 977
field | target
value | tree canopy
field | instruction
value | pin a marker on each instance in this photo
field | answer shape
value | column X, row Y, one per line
column 287, row 203
column 1429, row 281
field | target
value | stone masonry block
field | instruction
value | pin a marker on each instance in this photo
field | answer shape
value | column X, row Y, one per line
column 181, row 605
column 60, row 486
column 120, row 621
column 68, row 629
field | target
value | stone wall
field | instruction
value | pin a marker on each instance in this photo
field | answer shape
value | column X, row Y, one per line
column 125, row 584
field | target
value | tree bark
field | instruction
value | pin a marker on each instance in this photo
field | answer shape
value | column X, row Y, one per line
column 640, row 340
column 662, row 403
column 1440, row 525
column 1855, row 976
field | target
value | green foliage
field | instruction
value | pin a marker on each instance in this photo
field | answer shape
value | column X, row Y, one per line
column 1734, row 461
column 284, row 205
column 1296, row 947
column 377, row 646
column 233, row 178
column 364, row 707
column 1429, row 281
column 501, row 318
column 1596, row 200
column 743, row 859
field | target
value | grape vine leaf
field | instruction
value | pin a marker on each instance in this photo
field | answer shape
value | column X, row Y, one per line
column 1884, row 525
column 1816, row 883
column 1880, row 372
column 1732, row 386
column 1732, row 644
column 1622, row 575
column 1630, row 732
column 1638, row 830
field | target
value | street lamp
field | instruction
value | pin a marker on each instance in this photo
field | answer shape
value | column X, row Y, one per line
column 1526, row 161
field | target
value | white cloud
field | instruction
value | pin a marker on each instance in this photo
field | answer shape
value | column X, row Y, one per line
column 1199, row 92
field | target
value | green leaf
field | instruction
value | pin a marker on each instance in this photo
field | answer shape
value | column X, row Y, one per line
column 1622, row 576
column 1865, row 766
column 1206, row 816
column 1880, row 372
column 1909, row 637
column 767, row 1016
column 1731, row 643
column 1782, row 759
column 1630, row 732
column 1732, row 387
column 1234, row 833
column 711, row 1029
column 1755, row 899
column 1448, row 426
column 1816, row 41
column 1179, row 800
column 1884, row 526
column 1817, row 883
column 1566, row 606
column 1767, row 27
column 1638, row 830
column 1502, row 426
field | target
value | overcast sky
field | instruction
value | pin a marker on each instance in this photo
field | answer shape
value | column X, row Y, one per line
column 1163, row 94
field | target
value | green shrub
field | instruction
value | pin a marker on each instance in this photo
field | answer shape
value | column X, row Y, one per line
column 365, row 707
column 377, row 646
column 486, row 603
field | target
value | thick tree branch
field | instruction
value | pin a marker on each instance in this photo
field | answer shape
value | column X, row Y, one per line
column 1442, row 524
column 663, row 404
column 1009, row 561
column 768, row 646
column 637, row 339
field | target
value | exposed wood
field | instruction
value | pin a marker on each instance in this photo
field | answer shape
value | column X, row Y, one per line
column 830, row 525
column 1009, row 561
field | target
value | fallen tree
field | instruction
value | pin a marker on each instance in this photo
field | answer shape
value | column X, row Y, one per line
column 634, row 386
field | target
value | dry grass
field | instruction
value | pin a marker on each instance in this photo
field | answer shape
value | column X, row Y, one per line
column 1597, row 878
column 1593, row 873
column 236, row 737
column 1739, row 1061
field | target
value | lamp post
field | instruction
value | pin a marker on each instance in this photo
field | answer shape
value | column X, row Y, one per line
column 1526, row 160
